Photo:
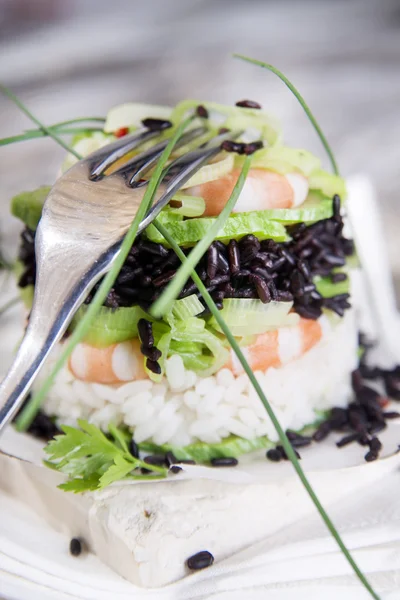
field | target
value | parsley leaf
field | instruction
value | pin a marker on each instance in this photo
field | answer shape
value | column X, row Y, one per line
column 92, row 460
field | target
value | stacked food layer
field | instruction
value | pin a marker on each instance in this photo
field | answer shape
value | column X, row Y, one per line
column 278, row 270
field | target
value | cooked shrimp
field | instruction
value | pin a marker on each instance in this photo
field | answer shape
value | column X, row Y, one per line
column 114, row 364
column 262, row 190
column 280, row 346
column 123, row 362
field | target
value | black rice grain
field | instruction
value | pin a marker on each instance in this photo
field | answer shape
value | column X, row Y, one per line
column 322, row 432
column 156, row 124
column 212, row 261
column 224, row 461
column 234, row 257
column 297, row 440
column 153, row 366
column 134, row 448
column 145, row 330
column 370, row 456
column 284, row 455
column 248, row 104
column 202, row 112
column 263, row 290
column 75, row 547
column 157, row 460
column 175, row 469
column 375, row 444
column 201, row 560
column 253, row 147
column 337, row 277
column 231, row 146
column 391, row 415
column 348, row 439
column 152, row 353
column 274, row 454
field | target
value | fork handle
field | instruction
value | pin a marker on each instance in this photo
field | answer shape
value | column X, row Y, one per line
column 48, row 322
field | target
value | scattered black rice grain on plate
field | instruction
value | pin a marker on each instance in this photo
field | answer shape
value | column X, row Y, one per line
column 224, row 461
column 158, row 460
column 248, row 104
column 371, row 455
column 284, row 455
column 274, row 454
column 175, row 469
column 201, row 560
column 322, row 432
column 347, row 439
column 297, row 440
column 392, row 414
column 75, row 547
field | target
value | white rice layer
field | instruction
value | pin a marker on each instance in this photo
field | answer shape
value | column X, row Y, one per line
column 185, row 408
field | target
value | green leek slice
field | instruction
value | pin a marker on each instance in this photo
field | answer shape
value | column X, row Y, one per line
column 28, row 206
column 246, row 316
column 284, row 159
column 186, row 206
column 111, row 326
column 187, row 307
column 187, row 233
column 328, row 183
column 327, row 288
column 212, row 171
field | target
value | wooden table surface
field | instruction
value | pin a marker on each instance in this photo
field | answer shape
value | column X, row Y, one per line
column 343, row 55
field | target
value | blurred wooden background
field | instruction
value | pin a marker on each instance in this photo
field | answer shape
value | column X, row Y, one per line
column 74, row 58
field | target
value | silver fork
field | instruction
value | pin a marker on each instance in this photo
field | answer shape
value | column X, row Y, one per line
column 84, row 220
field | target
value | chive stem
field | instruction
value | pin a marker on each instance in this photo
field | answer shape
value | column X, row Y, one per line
column 282, row 435
column 7, row 92
column 38, row 133
column 302, row 102
column 28, row 414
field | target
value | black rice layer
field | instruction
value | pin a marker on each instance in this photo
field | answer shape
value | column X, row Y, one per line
column 246, row 269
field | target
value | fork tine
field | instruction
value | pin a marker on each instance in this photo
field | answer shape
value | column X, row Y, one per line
column 182, row 169
column 105, row 157
column 138, row 165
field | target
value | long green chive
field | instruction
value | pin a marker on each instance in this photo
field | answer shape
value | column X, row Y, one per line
column 38, row 133
column 44, row 128
column 301, row 100
column 27, row 415
column 175, row 286
column 282, row 435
